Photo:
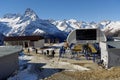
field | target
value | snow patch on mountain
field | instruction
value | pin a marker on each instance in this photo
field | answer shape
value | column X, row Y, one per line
column 38, row 31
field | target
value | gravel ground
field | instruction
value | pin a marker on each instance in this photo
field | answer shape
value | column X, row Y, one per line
column 100, row 74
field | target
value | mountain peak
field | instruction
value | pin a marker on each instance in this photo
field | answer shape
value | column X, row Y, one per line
column 29, row 13
column 72, row 20
column 9, row 15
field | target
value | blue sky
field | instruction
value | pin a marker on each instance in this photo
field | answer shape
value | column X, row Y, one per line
column 82, row 10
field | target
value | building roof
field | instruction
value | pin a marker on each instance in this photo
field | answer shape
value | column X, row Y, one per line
column 7, row 50
column 23, row 38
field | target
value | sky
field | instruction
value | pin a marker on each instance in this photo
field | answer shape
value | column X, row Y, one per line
column 82, row 10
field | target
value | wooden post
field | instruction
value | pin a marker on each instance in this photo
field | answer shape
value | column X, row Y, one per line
column 23, row 44
column 28, row 44
column 28, row 47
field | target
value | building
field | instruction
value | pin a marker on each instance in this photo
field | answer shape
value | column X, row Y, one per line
column 8, row 60
column 109, row 50
column 110, row 53
column 89, row 35
column 25, row 41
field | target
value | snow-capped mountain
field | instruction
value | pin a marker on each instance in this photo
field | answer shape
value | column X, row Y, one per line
column 30, row 24
column 69, row 25
column 113, row 28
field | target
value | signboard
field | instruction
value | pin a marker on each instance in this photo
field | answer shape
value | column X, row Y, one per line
column 86, row 34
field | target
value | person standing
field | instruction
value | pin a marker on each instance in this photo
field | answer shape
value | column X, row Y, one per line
column 36, row 50
column 53, row 53
column 72, row 45
column 48, row 52
column 60, row 52
column 28, row 50
column 86, row 51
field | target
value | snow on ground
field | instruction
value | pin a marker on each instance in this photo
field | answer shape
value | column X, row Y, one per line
column 23, row 59
column 24, row 74
column 64, row 65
